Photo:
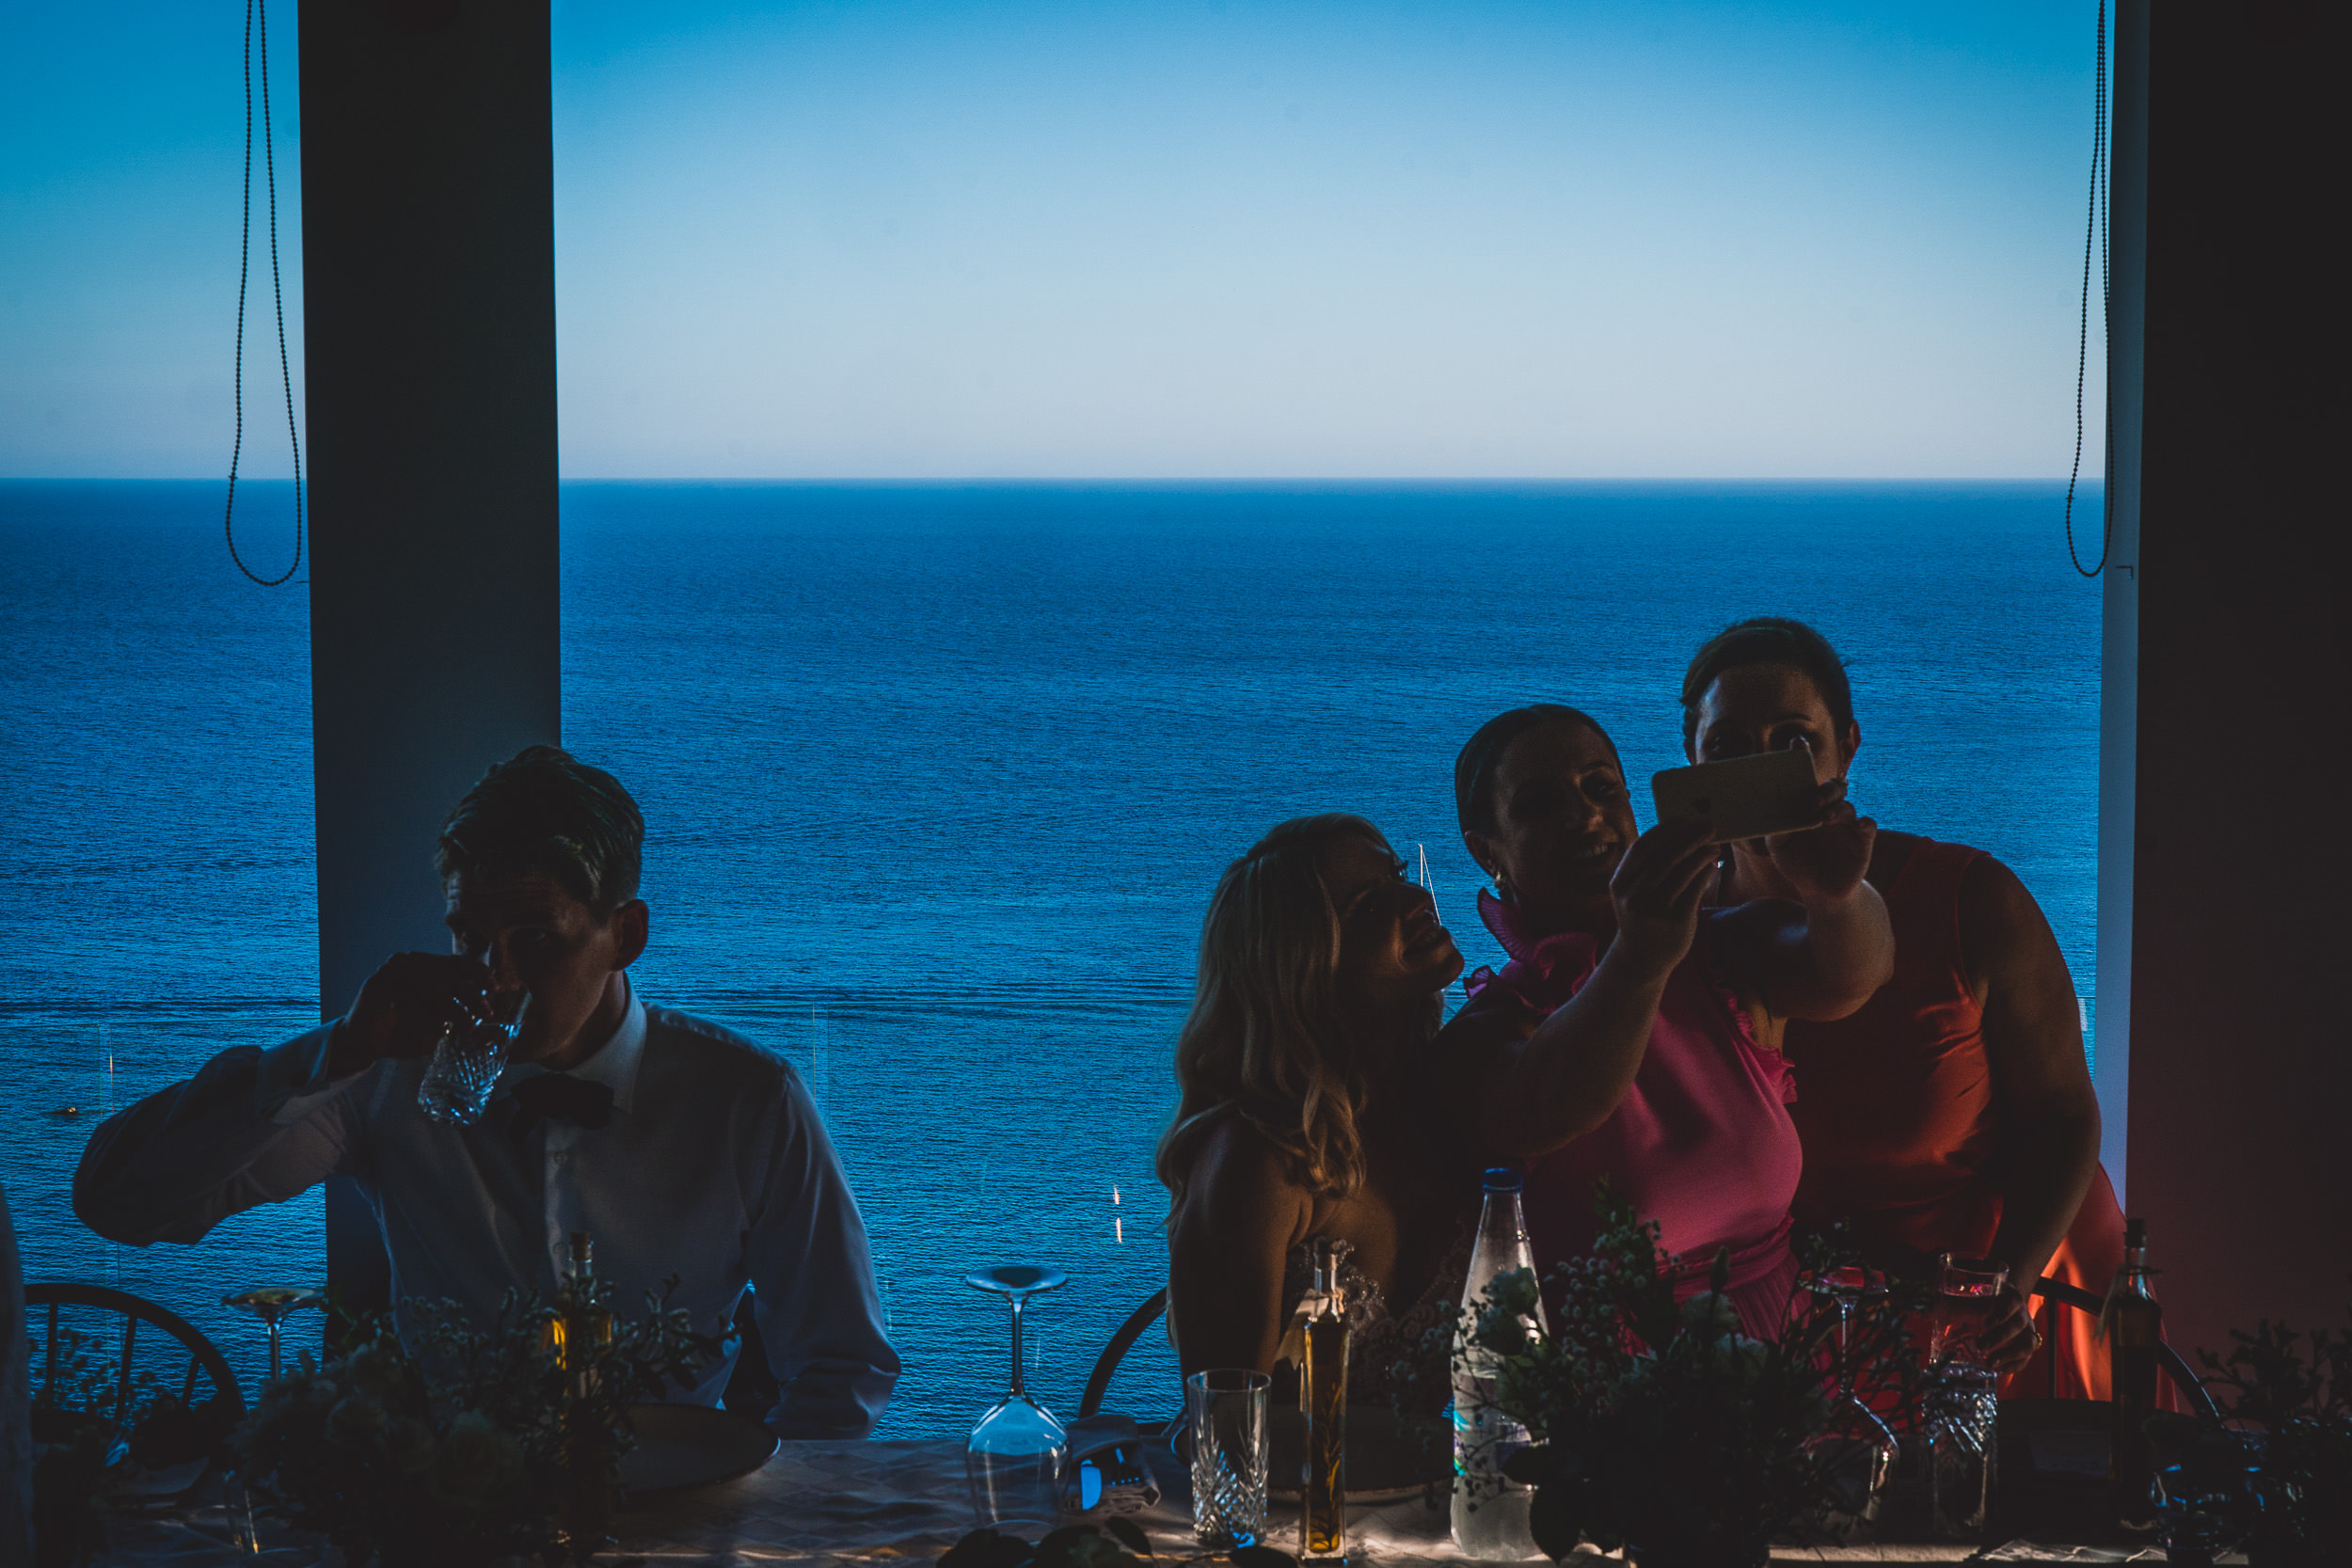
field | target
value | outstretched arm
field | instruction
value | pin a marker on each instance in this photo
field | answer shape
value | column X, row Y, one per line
column 252, row 1127
column 2050, row 1114
column 820, row 1313
column 1226, row 1242
column 1824, row 953
column 257, row 1127
column 1523, row 1087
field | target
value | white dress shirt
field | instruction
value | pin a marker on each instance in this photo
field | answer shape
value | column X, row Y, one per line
column 715, row 1168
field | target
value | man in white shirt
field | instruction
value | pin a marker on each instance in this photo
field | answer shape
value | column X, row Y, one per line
column 682, row 1147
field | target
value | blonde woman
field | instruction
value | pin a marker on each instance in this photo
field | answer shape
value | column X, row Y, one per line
column 1317, row 1102
column 1304, row 1108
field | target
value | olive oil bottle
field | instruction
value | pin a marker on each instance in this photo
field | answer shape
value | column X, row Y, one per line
column 581, row 1325
column 1323, row 1514
column 582, row 1328
column 2133, row 1326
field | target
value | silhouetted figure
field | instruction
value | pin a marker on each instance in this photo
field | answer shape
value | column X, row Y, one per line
column 16, row 1438
column 1303, row 1073
column 1954, row 1113
column 682, row 1147
column 1634, row 1037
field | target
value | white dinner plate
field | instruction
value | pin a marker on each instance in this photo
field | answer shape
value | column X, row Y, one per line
column 683, row 1446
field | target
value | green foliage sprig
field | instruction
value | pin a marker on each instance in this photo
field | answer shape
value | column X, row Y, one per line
column 466, row 1448
column 1660, row 1426
column 2301, row 1404
column 85, row 1427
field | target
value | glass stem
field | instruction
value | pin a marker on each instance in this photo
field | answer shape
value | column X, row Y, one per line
column 1845, row 1360
column 1018, row 1392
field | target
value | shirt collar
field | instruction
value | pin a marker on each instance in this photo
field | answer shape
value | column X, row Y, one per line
column 616, row 1061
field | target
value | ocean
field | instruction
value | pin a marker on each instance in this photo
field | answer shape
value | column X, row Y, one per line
column 938, row 780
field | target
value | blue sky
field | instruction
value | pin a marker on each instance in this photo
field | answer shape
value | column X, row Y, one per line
column 1113, row 239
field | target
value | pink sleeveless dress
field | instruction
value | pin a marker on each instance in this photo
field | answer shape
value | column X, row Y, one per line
column 1702, row 1143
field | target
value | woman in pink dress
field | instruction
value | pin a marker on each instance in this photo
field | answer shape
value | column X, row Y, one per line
column 1670, row 1085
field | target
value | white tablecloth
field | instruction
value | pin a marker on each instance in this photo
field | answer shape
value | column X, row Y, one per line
column 821, row 1504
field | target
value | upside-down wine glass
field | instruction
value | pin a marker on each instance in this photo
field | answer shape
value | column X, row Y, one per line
column 1013, row 1457
column 273, row 1304
column 1853, row 1438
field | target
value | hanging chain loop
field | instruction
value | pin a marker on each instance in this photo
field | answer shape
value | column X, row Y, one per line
column 2095, row 245
column 256, row 11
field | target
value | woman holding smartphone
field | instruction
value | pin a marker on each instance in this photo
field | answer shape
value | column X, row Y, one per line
column 1954, row 1112
column 1633, row 1036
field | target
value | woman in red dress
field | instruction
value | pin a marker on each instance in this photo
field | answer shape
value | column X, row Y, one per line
column 1954, row 1112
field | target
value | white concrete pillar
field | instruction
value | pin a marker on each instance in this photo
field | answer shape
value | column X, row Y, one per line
column 429, row 286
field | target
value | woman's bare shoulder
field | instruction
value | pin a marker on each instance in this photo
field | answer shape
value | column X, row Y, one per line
column 1243, row 1181
column 2004, row 935
column 1236, row 1150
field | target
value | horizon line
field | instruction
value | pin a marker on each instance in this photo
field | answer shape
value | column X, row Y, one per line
column 978, row 480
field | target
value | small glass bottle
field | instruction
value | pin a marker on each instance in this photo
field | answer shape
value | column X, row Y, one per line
column 2133, row 1326
column 1323, row 1394
column 583, row 1324
column 582, row 1327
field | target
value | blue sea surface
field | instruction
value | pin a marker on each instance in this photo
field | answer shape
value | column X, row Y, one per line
column 937, row 781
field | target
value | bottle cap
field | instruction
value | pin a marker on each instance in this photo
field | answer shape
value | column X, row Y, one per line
column 1502, row 1179
column 580, row 1246
column 2134, row 1233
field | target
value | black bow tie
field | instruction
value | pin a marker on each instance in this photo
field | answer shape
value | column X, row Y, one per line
column 560, row 1097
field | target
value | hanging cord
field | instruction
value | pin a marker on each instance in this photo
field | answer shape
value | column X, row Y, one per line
column 259, row 9
column 2094, row 243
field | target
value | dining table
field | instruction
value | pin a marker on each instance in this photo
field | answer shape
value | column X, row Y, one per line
column 836, row 1504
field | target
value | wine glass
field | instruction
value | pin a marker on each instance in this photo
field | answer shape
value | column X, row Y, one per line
column 1967, row 1291
column 1858, row 1445
column 273, row 1304
column 1961, row 1421
column 1013, row 1457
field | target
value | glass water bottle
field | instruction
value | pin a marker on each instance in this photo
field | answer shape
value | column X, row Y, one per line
column 1490, row 1511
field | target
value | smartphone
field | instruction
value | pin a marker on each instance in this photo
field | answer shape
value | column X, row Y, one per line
column 1772, row 792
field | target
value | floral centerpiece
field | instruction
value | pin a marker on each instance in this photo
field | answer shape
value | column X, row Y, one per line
column 2277, row 1478
column 1661, row 1427
column 468, row 1446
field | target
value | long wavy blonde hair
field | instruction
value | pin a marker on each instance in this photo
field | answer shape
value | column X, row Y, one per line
column 1265, row 1039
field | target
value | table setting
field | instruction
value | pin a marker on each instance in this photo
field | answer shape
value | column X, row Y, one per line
column 1238, row 1477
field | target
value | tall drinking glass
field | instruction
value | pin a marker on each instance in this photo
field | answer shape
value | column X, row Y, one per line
column 465, row 1065
column 1226, row 1408
column 1962, row 1420
column 1013, row 1457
